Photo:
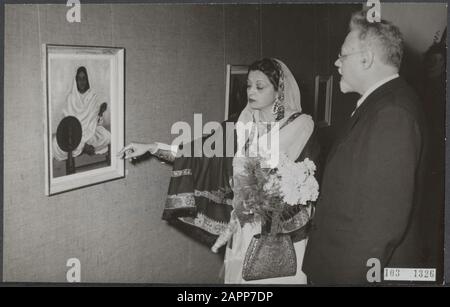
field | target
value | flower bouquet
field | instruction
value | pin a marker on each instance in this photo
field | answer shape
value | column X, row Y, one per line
column 270, row 192
column 267, row 194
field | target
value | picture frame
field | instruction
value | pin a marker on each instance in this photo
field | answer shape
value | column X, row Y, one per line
column 84, row 121
column 323, row 100
column 236, row 90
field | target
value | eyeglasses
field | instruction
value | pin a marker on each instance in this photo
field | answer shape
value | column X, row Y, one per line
column 341, row 57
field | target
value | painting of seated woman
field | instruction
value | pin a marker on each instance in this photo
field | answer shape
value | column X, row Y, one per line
column 85, row 116
column 93, row 149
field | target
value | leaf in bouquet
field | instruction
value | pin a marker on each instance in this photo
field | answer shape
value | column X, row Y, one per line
column 241, row 212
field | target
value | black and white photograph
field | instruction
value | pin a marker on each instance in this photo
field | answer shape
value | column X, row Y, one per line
column 328, row 164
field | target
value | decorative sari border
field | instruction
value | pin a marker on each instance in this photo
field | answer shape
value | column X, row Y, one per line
column 205, row 223
column 288, row 225
column 216, row 196
column 182, row 172
column 296, row 222
column 182, row 200
column 187, row 200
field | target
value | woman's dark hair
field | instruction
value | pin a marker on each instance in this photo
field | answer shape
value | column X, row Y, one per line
column 82, row 69
column 270, row 68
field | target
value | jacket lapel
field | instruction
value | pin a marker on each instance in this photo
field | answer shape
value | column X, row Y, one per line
column 367, row 105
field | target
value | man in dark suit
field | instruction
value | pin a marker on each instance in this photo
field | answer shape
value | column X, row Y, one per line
column 369, row 203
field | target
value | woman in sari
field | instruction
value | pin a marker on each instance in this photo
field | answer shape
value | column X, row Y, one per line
column 201, row 190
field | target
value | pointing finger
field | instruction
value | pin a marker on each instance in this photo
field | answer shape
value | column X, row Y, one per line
column 125, row 149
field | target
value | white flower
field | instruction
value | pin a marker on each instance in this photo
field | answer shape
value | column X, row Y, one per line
column 297, row 183
column 272, row 185
column 310, row 165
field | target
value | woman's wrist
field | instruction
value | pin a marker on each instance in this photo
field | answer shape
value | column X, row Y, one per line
column 165, row 155
column 152, row 148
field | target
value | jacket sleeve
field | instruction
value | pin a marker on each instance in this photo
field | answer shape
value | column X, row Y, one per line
column 385, row 188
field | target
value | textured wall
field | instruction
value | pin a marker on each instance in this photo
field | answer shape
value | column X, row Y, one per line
column 175, row 66
column 418, row 22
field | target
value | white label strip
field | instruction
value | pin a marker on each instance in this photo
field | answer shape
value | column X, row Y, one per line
column 410, row 274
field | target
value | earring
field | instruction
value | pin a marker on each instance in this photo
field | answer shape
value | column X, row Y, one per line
column 278, row 109
column 275, row 106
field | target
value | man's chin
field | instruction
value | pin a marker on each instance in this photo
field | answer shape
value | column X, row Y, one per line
column 345, row 88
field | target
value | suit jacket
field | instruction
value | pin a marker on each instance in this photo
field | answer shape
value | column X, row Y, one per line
column 368, row 206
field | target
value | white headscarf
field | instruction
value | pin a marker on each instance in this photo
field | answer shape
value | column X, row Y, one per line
column 289, row 97
column 291, row 100
column 85, row 108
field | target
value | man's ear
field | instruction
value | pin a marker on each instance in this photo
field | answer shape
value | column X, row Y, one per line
column 367, row 58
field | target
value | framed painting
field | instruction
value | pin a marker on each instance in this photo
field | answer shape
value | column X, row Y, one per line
column 84, row 124
column 236, row 90
column 323, row 100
